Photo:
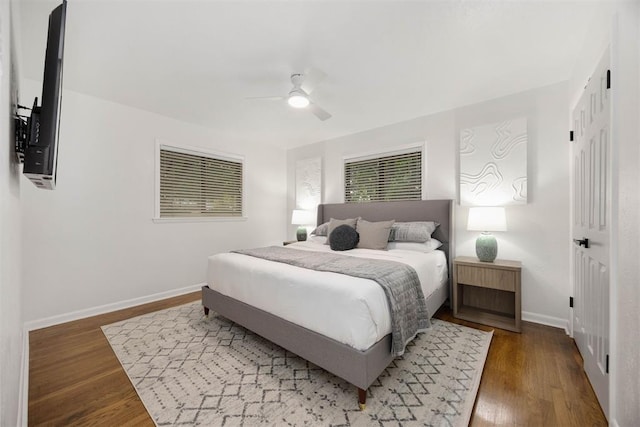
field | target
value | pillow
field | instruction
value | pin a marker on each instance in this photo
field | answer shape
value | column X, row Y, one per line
column 321, row 240
column 374, row 235
column 333, row 223
column 425, row 247
column 416, row 231
column 321, row 230
column 343, row 238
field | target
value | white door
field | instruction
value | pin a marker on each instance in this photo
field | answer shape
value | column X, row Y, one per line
column 591, row 201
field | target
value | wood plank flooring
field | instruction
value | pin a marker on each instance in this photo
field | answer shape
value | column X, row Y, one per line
column 533, row 379
column 530, row 379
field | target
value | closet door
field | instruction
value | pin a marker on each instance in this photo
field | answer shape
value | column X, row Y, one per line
column 591, row 227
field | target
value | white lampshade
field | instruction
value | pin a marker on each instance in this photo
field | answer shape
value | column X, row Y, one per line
column 302, row 217
column 487, row 219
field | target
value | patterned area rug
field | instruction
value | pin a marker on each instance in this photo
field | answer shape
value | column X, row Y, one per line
column 193, row 370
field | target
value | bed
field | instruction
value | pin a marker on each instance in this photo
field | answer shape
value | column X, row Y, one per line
column 358, row 361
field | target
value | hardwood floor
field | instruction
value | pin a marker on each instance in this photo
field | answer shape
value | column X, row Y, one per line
column 530, row 379
column 533, row 379
column 76, row 379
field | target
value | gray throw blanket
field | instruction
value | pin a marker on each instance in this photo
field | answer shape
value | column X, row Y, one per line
column 400, row 283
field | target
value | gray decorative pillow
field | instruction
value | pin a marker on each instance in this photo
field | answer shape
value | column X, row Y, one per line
column 333, row 223
column 416, row 231
column 321, row 230
column 343, row 238
column 374, row 235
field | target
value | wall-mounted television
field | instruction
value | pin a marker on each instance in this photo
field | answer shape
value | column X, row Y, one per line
column 37, row 134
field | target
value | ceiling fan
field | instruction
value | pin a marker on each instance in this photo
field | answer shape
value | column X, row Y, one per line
column 298, row 97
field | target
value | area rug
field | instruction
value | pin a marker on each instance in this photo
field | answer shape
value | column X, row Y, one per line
column 189, row 369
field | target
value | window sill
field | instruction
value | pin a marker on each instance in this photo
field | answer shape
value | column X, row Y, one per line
column 199, row 219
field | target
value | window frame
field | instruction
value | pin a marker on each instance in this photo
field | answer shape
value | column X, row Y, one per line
column 202, row 152
column 403, row 149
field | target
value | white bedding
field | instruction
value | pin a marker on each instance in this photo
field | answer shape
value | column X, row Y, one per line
column 347, row 309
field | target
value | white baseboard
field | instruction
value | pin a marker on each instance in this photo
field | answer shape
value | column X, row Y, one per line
column 542, row 319
column 23, row 397
column 107, row 308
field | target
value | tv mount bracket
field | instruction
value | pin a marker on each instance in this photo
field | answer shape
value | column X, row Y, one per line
column 25, row 131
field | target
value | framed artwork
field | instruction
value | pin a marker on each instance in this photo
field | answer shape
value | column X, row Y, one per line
column 493, row 164
column 309, row 183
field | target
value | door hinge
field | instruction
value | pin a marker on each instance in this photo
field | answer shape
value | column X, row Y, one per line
column 570, row 135
column 571, row 302
column 608, row 79
column 607, row 364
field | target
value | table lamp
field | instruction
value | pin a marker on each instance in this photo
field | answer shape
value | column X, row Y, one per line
column 301, row 218
column 486, row 219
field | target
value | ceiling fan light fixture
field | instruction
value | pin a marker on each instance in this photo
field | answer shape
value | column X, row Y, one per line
column 297, row 100
column 298, row 96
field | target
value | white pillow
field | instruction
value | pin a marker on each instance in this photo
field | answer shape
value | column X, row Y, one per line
column 317, row 239
column 425, row 247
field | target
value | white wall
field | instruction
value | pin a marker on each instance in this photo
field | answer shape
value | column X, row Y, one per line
column 617, row 25
column 92, row 241
column 11, row 336
column 627, row 322
column 626, row 135
column 538, row 231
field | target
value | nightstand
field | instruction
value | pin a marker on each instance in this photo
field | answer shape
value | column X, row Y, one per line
column 487, row 292
column 288, row 242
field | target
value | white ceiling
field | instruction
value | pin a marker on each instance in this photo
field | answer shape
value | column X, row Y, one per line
column 387, row 61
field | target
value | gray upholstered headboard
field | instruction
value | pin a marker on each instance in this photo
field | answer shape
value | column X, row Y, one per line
column 440, row 211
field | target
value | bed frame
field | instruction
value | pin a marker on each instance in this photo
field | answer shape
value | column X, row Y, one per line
column 360, row 368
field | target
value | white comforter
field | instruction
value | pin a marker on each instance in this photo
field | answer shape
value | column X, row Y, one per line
column 347, row 309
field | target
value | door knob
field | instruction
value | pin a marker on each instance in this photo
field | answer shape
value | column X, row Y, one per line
column 582, row 242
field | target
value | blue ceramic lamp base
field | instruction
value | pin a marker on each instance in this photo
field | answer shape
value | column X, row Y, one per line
column 486, row 247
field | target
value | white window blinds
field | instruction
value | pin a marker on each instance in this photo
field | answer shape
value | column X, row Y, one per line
column 386, row 178
column 199, row 185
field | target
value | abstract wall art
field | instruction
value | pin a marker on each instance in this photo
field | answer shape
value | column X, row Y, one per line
column 309, row 183
column 493, row 164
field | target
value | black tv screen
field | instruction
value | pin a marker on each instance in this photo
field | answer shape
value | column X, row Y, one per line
column 41, row 154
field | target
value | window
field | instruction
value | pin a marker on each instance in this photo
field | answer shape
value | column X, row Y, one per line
column 390, row 177
column 199, row 185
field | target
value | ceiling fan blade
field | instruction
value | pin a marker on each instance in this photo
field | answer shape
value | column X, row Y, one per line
column 267, row 98
column 319, row 112
column 312, row 77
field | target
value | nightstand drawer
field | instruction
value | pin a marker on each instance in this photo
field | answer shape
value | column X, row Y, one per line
column 489, row 278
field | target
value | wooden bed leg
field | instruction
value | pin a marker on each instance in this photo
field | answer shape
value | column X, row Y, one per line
column 362, row 398
column 206, row 311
